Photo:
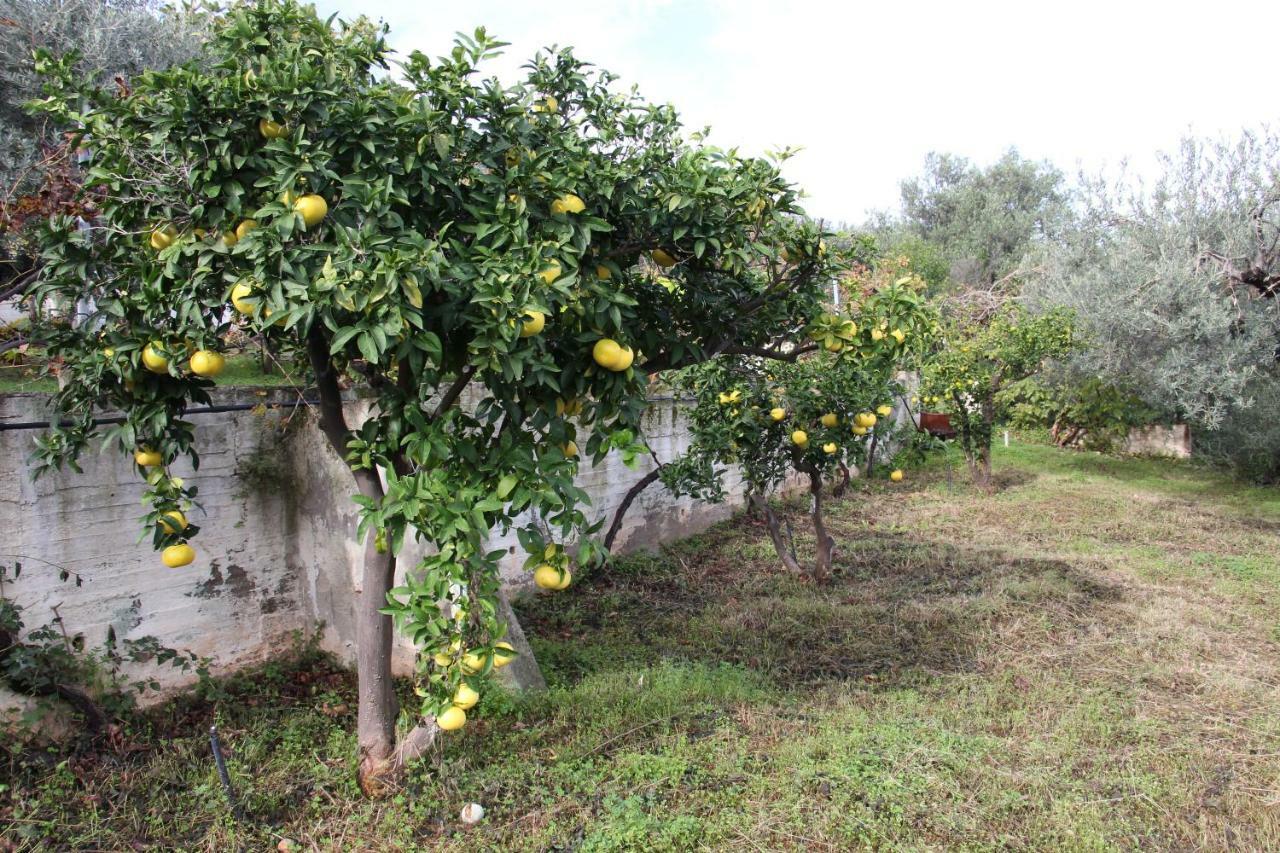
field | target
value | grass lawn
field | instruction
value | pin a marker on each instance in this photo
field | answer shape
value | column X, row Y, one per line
column 242, row 369
column 1088, row 659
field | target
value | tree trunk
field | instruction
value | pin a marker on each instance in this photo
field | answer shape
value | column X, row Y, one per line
column 789, row 561
column 838, row 490
column 382, row 758
column 980, row 466
column 826, row 545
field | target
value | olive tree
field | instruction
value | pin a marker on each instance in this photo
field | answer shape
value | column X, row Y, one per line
column 1174, row 283
column 114, row 40
column 500, row 267
column 983, row 219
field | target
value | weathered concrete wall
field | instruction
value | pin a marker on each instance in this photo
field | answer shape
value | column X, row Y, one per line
column 277, row 551
column 326, row 518
column 242, row 598
column 1158, row 440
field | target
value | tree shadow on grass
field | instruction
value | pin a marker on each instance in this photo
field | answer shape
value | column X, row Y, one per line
column 897, row 603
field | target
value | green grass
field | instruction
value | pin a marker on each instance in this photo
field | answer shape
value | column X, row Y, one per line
column 244, row 369
column 1085, row 660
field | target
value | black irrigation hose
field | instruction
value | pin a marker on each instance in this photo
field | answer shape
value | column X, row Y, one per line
column 207, row 410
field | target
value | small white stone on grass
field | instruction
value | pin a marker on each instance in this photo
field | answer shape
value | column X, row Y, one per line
column 472, row 813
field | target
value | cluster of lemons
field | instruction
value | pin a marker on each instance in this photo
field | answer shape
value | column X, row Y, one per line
column 465, row 697
column 862, row 423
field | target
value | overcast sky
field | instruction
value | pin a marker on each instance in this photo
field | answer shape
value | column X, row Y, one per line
column 868, row 90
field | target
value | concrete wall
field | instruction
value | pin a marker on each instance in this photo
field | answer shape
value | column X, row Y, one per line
column 276, row 553
column 243, row 597
column 1158, row 440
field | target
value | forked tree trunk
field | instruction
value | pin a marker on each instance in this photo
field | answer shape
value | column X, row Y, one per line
column 825, row 549
column 382, row 757
column 761, row 503
column 838, row 490
column 824, row 552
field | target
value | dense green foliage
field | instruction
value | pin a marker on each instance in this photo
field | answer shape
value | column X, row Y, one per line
column 979, row 358
column 814, row 415
column 459, row 247
column 1091, row 414
column 983, row 220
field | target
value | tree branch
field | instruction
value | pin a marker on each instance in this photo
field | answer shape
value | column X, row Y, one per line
column 455, row 390
column 332, row 422
column 632, row 493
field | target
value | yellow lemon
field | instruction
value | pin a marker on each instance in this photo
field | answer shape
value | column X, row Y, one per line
column 799, row 438
column 877, row 335
column 777, row 413
column 207, row 363
column 898, row 335
column 271, row 129
column 611, row 355
column 163, row 237
column 533, row 323
column 473, row 663
column 154, row 360
column 446, row 658
column 884, row 411
column 662, row 258
column 547, row 576
column 173, row 521
column 147, row 458
column 242, row 297
column 896, row 476
column 829, row 420
column 451, row 719
column 465, row 698
column 551, row 273
column 830, row 447
column 178, row 555
column 243, row 229
column 568, row 203
column 859, row 430
column 229, row 239
column 548, row 104
column 570, row 450
column 503, row 654
column 313, row 209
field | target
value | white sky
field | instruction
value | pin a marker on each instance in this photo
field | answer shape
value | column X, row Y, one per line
column 868, row 89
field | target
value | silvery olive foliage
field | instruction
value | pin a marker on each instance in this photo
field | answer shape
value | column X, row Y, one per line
column 1145, row 272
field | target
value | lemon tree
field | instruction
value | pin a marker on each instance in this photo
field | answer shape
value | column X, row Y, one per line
column 498, row 267
column 980, row 357
column 811, row 415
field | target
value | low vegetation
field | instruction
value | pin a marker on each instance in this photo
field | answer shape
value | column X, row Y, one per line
column 1086, row 659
